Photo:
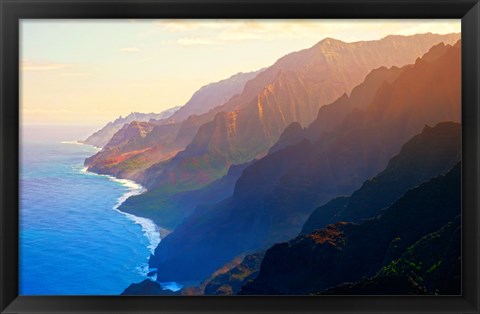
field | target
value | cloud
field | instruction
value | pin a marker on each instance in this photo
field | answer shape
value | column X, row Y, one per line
column 75, row 74
column 191, row 41
column 28, row 65
column 175, row 26
column 210, row 32
column 167, row 42
column 45, row 111
column 130, row 49
column 218, row 32
column 240, row 35
column 438, row 27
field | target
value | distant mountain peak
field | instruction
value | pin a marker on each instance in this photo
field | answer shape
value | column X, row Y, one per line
column 331, row 41
column 104, row 135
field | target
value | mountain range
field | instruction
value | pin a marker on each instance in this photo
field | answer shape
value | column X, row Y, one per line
column 440, row 145
column 275, row 195
column 246, row 126
column 337, row 153
column 428, row 154
column 291, row 90
column 431, row 153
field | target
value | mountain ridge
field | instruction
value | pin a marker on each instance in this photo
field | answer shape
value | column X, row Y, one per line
column 166, row 136
column 419, row 212
column 303, row 81
column 432, row 152
column 101, row 137
column 274, row 196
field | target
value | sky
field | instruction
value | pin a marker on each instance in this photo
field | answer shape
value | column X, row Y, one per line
column 89, row 72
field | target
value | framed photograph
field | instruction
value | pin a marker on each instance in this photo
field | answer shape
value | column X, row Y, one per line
column 237, row 157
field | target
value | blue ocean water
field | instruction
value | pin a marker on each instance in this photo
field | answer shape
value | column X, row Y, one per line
column 73, row 241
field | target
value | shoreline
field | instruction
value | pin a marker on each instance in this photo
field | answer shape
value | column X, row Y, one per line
column 150, row 230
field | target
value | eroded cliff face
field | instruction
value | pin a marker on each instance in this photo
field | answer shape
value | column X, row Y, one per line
column 249, row 123
column 292, row 90
column 132, row 150
column 129, row 154
column 213, row 95
column 275, row 195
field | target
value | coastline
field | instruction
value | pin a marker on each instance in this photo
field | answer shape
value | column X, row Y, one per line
column 67, row 214
column 151, row 231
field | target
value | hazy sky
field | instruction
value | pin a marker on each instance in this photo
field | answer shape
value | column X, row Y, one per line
column 88, row 72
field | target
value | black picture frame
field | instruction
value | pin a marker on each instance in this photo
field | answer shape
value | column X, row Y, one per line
column 13, row 10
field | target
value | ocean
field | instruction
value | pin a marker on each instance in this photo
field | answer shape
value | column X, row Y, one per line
column 73, row 240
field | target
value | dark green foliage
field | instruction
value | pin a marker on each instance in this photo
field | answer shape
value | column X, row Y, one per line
column 392, row 285
column 430, row 266
column 433, row 262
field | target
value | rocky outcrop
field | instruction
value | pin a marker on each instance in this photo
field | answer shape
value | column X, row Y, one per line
column 148, row 287
column 230, row 282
